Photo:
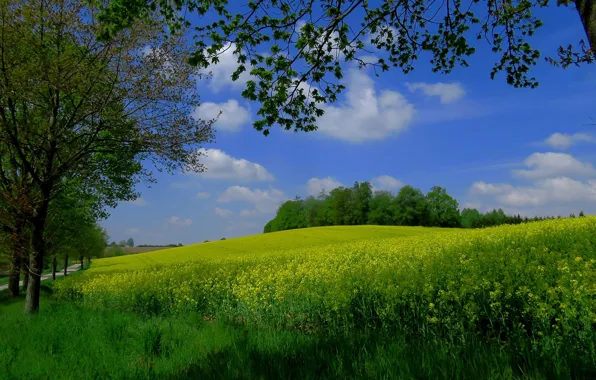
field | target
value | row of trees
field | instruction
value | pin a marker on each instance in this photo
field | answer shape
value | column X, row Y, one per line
column 358, row 205
column 472, row 218
column 123, row 243
column 131, row 243
column 79, row 117
column 161, row 245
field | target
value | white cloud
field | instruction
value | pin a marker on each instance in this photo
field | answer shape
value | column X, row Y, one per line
column 249, row 213
column 558, row 184
column 132, row 230
column 220, row 165
column 265, row 201
column 369, row 58
column 138, row 202
column 483, row 188
column 221, row 72
column 176, row 220
column 547, row 192
column 564, row 141
column 232, row 116
column 447, row 92
column 224, row 213
column 314, row 186
column 386, row 182
column 203, row 195
column 366, row 115
column 548, row 165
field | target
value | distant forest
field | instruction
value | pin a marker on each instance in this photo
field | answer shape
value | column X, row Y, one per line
column 358, row 205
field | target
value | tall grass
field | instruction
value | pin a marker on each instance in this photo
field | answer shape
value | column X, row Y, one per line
column 71, row 342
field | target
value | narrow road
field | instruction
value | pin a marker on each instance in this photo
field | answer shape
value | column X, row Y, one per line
column 70, row 269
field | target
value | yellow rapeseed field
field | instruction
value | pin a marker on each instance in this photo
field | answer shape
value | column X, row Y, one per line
column 535, row 281
column 256, row 245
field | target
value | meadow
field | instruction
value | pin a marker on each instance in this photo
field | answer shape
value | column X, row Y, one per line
column 375, row 302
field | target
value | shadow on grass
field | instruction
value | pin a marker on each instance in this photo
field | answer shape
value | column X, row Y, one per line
column 5, row 299
column 110, row 344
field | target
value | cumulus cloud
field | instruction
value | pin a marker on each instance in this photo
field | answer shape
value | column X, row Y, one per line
column 550, row 164
column 264, row 201
column 546, row 191
column 138, row 202
column 176, row 220
column 447, row 92
column 249, row 213
column 565, row 141
column 203, row 195
column 365, row 115
column 224, row 213
column 555, row 182
column 220, row 165
column 232, row 116
column 484, row 188
column 386, row 182
column 221, row 72
column 314, row 186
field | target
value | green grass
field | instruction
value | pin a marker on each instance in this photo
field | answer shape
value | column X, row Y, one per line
column 69, row 342
column 257, row 244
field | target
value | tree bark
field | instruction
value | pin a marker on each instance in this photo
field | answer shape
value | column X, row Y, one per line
column 17, row 251
column 25, row 271
column 37, row 254
column 54, row 268
column 14, row 276
column 587, row 13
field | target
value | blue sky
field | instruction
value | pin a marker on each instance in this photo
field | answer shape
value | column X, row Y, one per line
column 489, row 144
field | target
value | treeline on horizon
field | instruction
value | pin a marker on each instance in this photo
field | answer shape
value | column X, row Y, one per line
column 359, row 205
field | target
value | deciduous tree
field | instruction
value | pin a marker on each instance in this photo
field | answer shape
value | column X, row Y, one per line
column 76, row 108
column 443, row 208
column 309, row 40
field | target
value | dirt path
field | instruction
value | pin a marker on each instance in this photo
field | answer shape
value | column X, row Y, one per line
column 70, row 269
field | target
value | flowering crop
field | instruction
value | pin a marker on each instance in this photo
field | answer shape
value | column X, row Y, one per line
column 535, row 282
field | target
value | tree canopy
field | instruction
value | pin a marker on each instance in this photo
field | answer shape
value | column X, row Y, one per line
column 295, row 49
column 409, row 207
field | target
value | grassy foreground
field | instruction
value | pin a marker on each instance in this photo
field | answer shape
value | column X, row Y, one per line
column 501, row 303
column 72, row 342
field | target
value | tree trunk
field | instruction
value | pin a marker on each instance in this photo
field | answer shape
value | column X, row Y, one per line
column 54, row 268
column 14, row 276
column 36, row 258
column 65, row 265
column 587, row 13
column 82, row 257
column 17, row 251
column 25, row 271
